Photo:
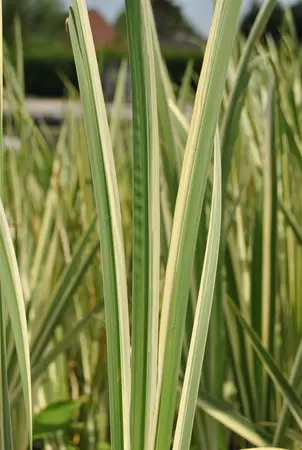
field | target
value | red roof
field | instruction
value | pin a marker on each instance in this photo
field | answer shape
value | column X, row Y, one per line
column 102, row 32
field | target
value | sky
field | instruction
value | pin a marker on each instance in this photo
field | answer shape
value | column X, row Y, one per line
column 199, row 12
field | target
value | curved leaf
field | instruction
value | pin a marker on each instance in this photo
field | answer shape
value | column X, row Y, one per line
column 12, row 291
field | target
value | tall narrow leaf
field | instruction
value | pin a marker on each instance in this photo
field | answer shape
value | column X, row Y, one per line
column 146, row 235
column 186, row 413
column 188, row 211
column 109, row 220
column 12, row 293
column 269, row 223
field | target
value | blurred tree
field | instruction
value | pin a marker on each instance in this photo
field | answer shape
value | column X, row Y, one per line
column 38, row 17
column 273, row 26
column 169, row 19
column 296, row 11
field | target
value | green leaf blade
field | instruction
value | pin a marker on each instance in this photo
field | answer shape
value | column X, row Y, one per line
column 109, row 221
column 12, row 291
column 202, row 315
column 188, row 210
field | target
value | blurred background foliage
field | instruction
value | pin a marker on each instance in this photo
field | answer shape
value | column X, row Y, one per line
column 48, row 55
column 40, row 18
